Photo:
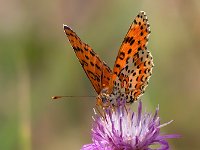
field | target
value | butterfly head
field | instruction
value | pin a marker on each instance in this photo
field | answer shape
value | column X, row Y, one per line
column 104, row 98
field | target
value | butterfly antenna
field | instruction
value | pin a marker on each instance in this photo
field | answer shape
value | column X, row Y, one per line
column 58, row 97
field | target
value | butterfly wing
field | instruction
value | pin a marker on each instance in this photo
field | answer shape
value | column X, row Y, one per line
column 133, row 65
column 97, row 71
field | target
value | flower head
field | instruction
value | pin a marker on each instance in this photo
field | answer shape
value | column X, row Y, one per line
column 123, row 129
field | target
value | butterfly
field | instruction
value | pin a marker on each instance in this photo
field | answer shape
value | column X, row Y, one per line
column 132, row 68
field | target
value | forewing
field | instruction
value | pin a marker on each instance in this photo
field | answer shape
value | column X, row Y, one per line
column 133, row 65
column 97, row 71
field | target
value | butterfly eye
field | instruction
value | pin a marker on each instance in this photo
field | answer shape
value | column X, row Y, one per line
column 104, row 98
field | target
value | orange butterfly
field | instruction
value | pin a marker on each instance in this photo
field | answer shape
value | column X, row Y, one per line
column 132, row 69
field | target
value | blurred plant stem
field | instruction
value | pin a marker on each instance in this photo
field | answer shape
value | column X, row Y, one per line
column 24, row 104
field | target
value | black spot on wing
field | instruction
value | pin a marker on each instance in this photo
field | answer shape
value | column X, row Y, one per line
column 129, row 51
column 93, row 76
column 84, row 63
column 115, row 72
column 126, row 68
column 135, row 22
column 126, row 40
column 121, row 55
column 92, row 63
column 132, row 41
column 117, row 65
column 86, row 57
column 97, row 66
column 86, row 49
column 92, row 53
column 79, row 49
column 139, row 48
column 127, row 59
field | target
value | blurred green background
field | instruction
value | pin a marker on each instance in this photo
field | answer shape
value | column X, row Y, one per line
column 37, row 62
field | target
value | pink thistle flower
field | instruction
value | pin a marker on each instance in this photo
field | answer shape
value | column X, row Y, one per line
column 124, row 129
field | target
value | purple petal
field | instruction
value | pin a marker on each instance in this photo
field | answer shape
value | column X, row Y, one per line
column 127, row 130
